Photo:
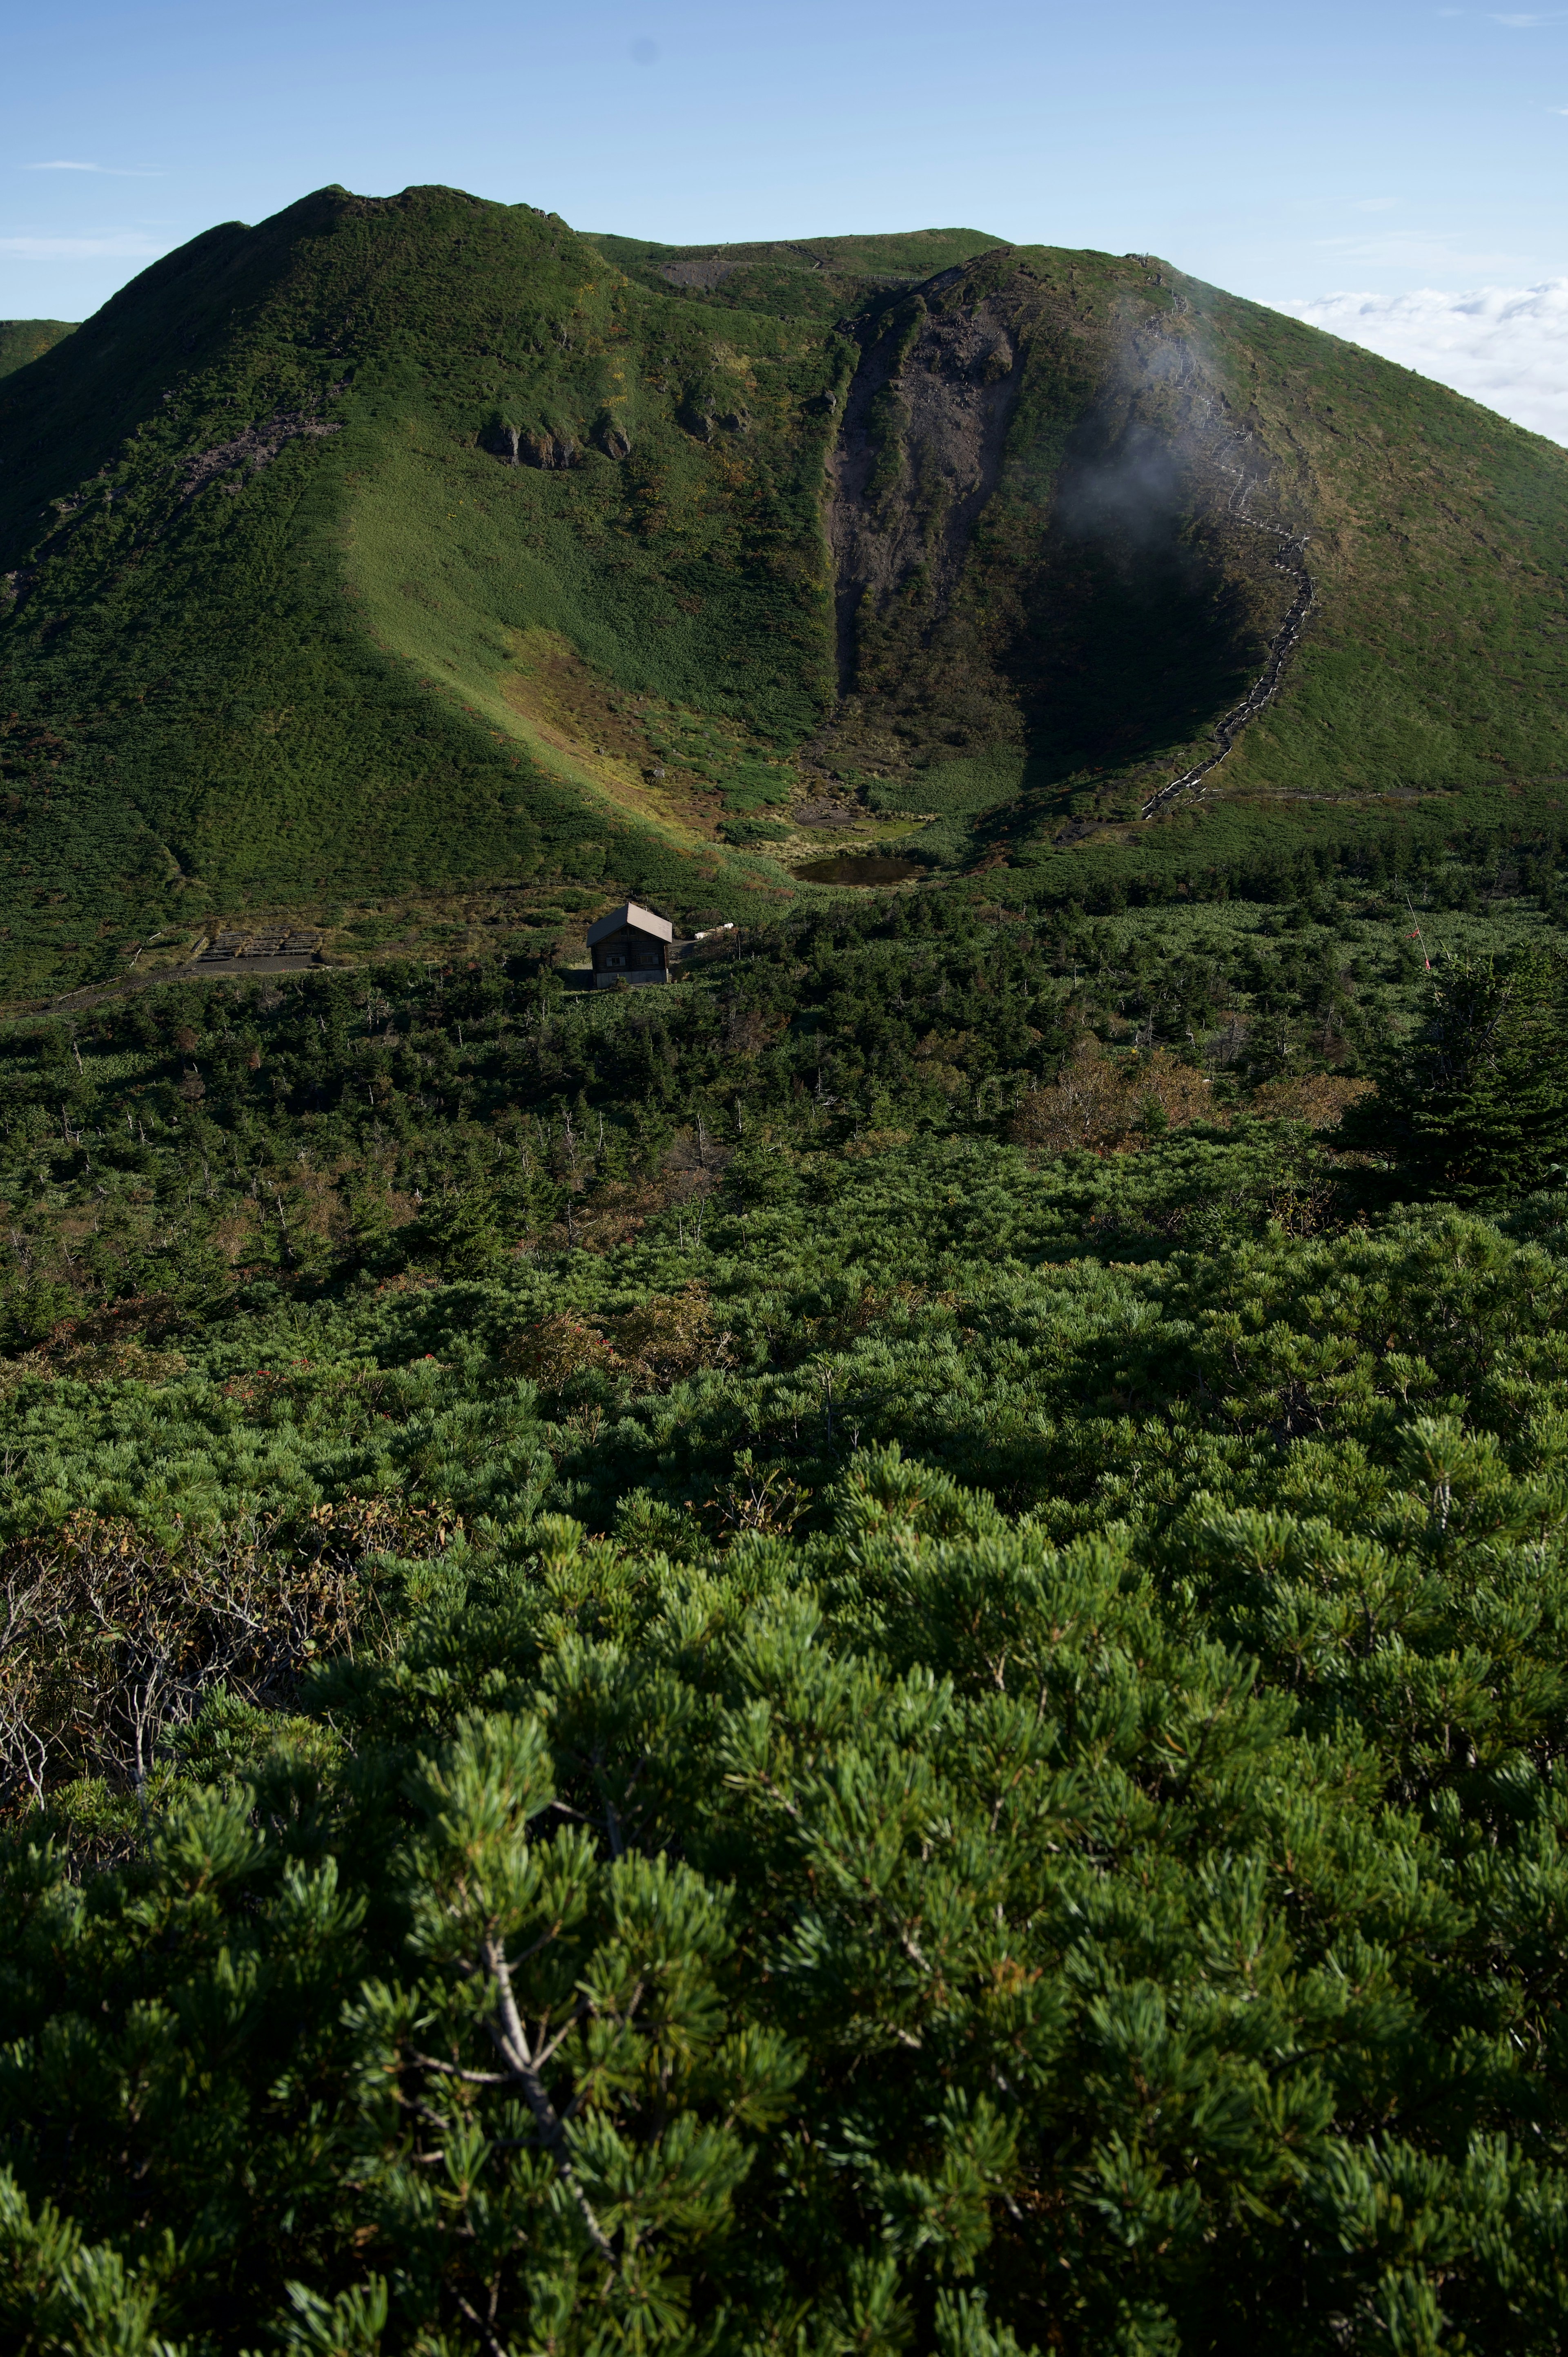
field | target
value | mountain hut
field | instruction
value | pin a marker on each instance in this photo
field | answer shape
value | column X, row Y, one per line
column 631, row 944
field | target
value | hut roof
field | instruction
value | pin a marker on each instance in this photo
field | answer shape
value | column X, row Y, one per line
column 640, row 920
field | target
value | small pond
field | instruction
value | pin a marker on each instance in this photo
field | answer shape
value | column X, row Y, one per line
column 859, row 867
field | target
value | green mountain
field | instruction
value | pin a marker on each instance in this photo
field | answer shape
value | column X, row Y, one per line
column 406, row 546
column 22, row 340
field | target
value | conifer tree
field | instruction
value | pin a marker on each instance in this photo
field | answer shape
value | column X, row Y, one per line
column 1473, row 1101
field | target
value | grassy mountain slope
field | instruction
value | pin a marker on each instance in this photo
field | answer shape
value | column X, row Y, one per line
column 824, row 279
column 221, row 639
column 22, row 340
column 398, row 545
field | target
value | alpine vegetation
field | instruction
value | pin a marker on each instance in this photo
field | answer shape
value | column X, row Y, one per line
column 863, row 1653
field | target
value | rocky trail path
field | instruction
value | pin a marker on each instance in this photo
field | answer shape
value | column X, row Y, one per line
column 1291, row 559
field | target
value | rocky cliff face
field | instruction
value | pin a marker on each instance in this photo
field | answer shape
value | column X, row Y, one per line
column 920, row 452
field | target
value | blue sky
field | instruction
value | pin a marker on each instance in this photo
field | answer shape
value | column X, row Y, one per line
column 1287, row 155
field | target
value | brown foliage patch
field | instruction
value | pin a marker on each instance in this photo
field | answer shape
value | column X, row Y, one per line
column 235, row 1233
column 872, row 1142
column 698, row 1154
column 662, row 1340
column 616, row 1210
column 671, row 1335
column 750, row 1029
column 109, row 1639
column 116, row 1343
column 553, row 1350
column 1097, row 1106
column 573, row 710
column 1316, row 1098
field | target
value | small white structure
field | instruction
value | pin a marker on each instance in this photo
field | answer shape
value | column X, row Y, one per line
column 631, row 944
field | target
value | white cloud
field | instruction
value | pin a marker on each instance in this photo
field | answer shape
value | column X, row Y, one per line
column 121, row 245
column 1504, row 346
column 114, row 171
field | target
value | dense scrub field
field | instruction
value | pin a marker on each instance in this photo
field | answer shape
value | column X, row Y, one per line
column 864, row 1656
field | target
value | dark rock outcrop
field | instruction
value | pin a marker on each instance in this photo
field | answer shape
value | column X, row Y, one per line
column 256, row 447
column 517, row 446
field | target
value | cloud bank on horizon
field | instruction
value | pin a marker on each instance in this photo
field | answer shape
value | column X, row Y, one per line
column 1504, row 346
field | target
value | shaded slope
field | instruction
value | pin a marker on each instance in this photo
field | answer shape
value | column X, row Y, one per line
column 1046, row 519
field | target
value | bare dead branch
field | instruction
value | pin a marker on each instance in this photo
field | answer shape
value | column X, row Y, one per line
column 511, row 2038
